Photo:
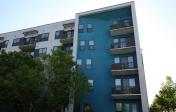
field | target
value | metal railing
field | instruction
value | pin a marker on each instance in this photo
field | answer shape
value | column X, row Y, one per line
column 127, row 43
column 128, row 90
column 121, row 66
column 121, row 23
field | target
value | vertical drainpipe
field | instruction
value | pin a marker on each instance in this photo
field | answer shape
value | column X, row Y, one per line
column 144, row 97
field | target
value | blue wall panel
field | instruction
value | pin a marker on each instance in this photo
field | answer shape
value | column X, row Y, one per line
column 102, row 59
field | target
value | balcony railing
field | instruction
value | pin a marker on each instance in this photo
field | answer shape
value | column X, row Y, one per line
column 66, row 39
column 67, row 49
column 123, row 47
column 123, row 26
column 28, row 44
column 128, row 68
column 126, row 93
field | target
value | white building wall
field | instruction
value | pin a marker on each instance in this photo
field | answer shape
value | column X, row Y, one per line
column 49, row 28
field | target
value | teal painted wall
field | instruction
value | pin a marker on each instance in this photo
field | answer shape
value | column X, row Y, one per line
column 100, row 97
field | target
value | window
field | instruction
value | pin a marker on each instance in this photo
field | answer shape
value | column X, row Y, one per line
column 123, row 42
column 88, row 63
column 56, row 47
column 57, row 34
column 130, row 62
column 16, row 42
column 117, row 60
column 118, row 84
column 4, row 44
column 134, row 107
column 91, row 83
column 89, row 28
column 69, row 34
column 43, row 37
column 132, row 82
column 81, row 29
column 82, row 45
column 118, row 107
column 40, row 52
column 91, row 45
column 79, row 62
column 127, row 107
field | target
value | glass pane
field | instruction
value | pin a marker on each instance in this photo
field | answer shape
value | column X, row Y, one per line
column 79, row 62
column 117, row 60
column 57, row 33
column 80, row 26
column 130, row 59
column 91, row 42
column 132, row 82
column 118, row 107
column 127, row 108
column 90, row 82
column 134, row 108
column 125, row 83
column 44, row 50
column 116, row 40
column 82, row 43
column 117, row 82
column 89, row 26
column 88, row 61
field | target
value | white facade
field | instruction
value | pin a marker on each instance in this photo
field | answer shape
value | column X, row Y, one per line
column 49, row 28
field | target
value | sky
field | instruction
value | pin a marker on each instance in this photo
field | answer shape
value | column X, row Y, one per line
column 156, row 23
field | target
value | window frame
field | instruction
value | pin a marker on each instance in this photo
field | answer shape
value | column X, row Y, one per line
column 91, row 47
column 81, row 29
column 89, row 28
column 57, row 36
column 82, row 46
column 88, row 63
column 15, row 42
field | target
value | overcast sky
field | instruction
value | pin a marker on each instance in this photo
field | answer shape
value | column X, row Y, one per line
column 156, row 23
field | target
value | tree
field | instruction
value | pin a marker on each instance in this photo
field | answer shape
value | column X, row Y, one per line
column 20, row 77
column 166, row 99
column 65, row 81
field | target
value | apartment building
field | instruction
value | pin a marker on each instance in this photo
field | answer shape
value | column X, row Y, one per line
column 105, row 44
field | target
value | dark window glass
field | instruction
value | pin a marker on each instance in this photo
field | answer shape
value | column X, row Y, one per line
column 16, row 42
column 43, row 37
column 89, row 28
column 57, row 34
column 40, row 52
column 56, row 47
column 81, row 29
column 4, row 44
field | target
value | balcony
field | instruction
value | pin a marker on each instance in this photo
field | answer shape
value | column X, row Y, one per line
column 67, row 49
column 126, row 93
column 28, row 44
column 66, row 38
column 124, row 69
column 124, row 26
column 123, row 47
column 30, row 33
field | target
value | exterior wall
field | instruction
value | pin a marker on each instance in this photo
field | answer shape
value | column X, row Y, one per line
column 49, row 28
column 144, row 97
column 100, row 97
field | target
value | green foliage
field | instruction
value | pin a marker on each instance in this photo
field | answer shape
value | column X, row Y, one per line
column 30, row 84
column 65, row 81
column 20, row 76
column 166, row 99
